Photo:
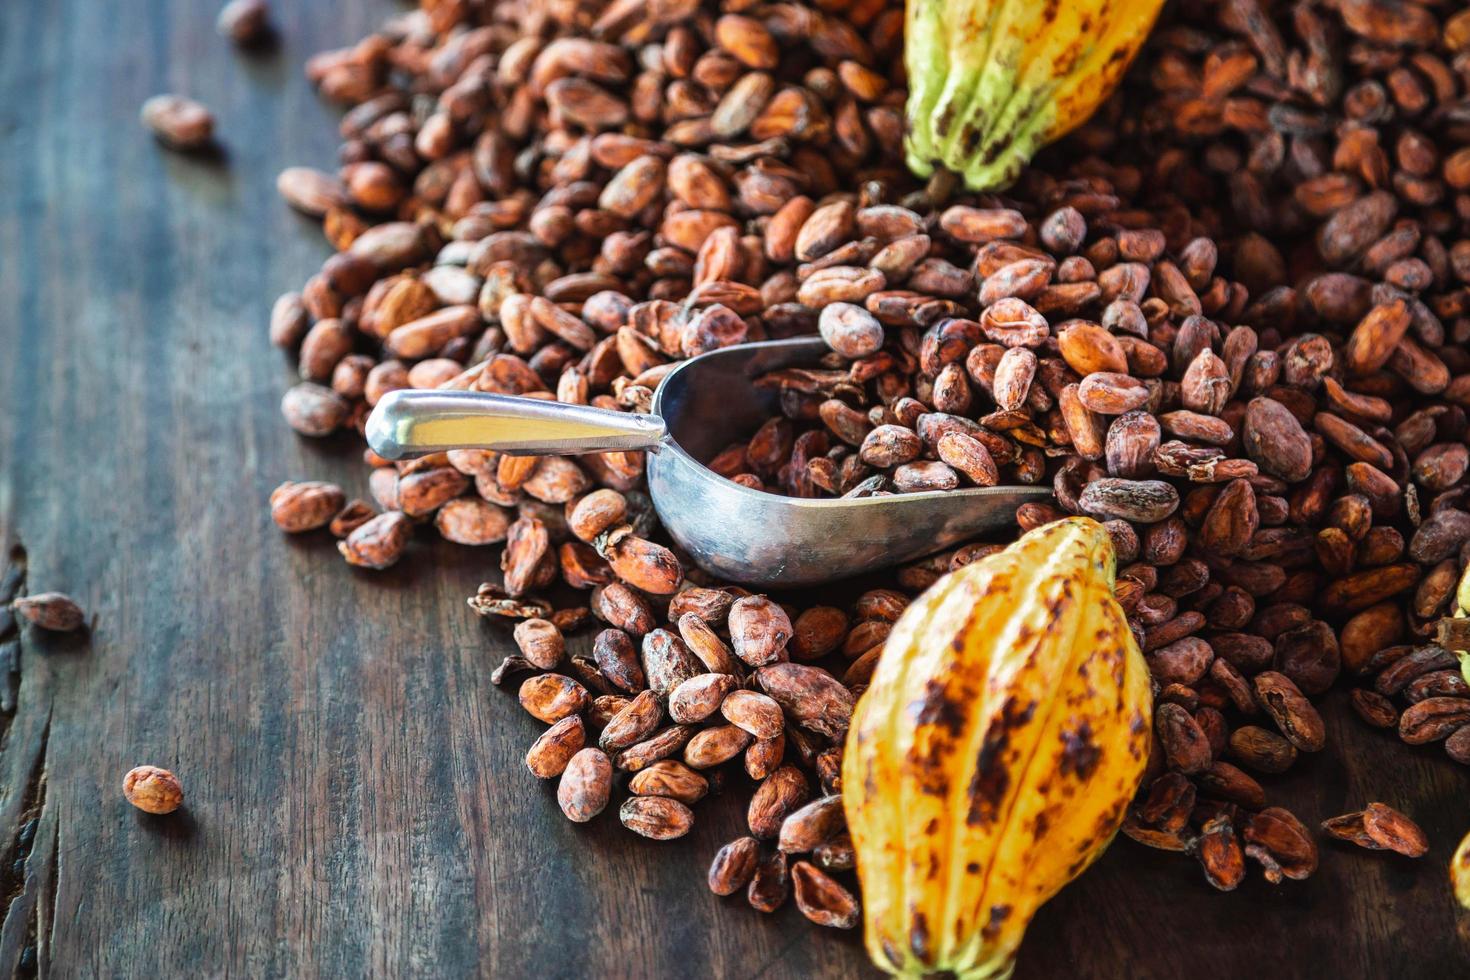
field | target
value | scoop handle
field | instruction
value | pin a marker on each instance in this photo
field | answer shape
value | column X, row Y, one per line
column 413, row 423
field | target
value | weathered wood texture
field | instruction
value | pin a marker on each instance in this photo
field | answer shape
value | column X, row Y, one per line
column 356, row 799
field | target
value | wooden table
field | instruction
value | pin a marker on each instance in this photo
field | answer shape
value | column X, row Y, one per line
column 356, row 798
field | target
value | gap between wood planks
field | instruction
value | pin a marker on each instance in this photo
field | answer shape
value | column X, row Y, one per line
column 29, row 833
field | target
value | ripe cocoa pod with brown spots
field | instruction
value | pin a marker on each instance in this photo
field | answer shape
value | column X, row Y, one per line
column 952, row 677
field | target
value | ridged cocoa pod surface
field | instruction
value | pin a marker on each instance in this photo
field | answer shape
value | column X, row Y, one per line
column 994, row 754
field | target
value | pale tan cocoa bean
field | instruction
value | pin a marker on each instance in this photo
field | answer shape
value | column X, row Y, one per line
column 540, row 642
column 754, row 712
column 667, row 662
column 656, row 817
column 54, row 611
column 179, row 122
column 970, row 457
column 667, row 777
column 1147, row 501
column 377, row 543
column 245, row 22
column 697, row 698
column 759, row 630
column 468, row 521
column 586, row 784
column 968, row 224
column 715, row 745
column 1109, row 393
column 301, row 507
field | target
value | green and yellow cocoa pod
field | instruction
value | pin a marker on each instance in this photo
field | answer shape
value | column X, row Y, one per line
column 992, row 81
column 1460, row 872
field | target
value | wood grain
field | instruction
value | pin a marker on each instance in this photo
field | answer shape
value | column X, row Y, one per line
column 357, row 803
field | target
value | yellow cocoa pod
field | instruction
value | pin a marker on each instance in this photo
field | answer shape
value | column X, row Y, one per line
column 993, row 756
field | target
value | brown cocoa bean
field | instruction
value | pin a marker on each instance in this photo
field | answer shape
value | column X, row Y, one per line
column 1290, row 710
column 734, row 866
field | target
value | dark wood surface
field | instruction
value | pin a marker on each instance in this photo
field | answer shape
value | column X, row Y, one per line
column 356, row 799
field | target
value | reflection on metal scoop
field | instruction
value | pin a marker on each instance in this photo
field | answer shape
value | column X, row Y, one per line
column 703, row 405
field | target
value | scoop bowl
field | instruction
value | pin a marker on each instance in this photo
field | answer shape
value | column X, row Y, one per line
column 742, row 535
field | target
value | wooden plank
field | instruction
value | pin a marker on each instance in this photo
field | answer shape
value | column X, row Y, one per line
column 356, row 799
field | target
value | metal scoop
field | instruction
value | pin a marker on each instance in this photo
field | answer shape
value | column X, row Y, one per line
column 703, row 405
